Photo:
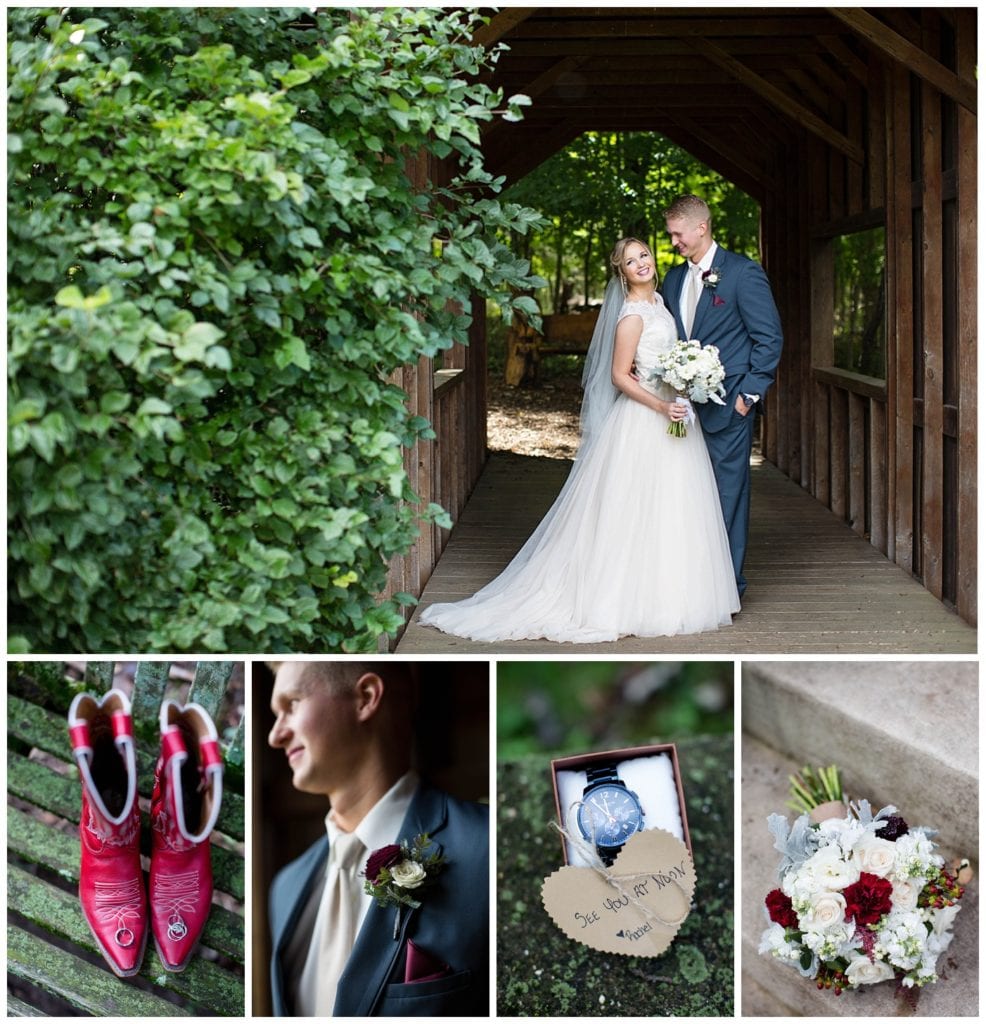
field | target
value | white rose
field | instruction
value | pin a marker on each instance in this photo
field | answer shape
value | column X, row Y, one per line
column 905, row 895
column 862, row 971
column 875, row 855
column 827, row 909
column 409, row 874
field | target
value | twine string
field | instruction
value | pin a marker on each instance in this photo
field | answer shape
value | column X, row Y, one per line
column 590, row 854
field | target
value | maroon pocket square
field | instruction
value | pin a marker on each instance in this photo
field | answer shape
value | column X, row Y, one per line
column 422, row 966
column 717, row 300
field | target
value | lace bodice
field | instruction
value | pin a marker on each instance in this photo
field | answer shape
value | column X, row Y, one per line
column 658, row 335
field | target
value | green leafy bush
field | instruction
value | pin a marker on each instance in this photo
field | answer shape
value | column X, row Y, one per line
column 216, row 258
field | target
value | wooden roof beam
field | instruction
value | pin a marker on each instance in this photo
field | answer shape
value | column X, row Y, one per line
column 515, row 161
column 541, row 84
column 776, row 98
column 728, row 150
column 500, row 24
column 902, row 50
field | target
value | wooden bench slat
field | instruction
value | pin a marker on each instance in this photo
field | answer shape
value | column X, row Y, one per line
column 77, row 982
column 44, row 677
column 18, row 1008
column 37, row 843
column 236, row 758
column 150, row 682
column 209, row 685
column 98, row 676
column 57, row 912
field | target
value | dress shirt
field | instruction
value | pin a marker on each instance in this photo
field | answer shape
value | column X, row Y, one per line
column 380, row 827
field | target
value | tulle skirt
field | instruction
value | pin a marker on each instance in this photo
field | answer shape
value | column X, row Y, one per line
column 634, row 545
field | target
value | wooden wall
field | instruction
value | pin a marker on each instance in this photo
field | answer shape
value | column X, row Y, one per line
column 895, row 459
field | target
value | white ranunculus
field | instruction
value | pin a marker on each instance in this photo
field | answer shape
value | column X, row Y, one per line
column 409, row 874
column 827, row 910
column 862, row 971
column 830, row 869
column 875, row 855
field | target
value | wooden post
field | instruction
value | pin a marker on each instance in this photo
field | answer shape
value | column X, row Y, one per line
column 932, row 468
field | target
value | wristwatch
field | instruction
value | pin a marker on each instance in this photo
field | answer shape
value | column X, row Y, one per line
column 609, row 813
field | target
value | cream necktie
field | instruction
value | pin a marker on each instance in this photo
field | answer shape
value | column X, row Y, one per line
column 335, row 926
column 694, row 294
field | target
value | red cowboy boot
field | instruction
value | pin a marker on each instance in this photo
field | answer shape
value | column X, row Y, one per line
column 111, row 883
column 188, row 791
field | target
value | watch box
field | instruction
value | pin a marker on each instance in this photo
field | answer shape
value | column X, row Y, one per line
column 651, row 772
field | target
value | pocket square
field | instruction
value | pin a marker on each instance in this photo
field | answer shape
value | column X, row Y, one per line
column 422, row 966
column 717, row 300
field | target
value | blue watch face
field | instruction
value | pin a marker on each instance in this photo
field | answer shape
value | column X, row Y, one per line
column 609, row 815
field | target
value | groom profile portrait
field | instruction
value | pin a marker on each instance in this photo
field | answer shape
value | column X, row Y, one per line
column 353, row 736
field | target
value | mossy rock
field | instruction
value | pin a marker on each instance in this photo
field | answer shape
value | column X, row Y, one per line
column 543, row 973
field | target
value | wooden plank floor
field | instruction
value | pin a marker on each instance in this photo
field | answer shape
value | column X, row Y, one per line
column 815, row 587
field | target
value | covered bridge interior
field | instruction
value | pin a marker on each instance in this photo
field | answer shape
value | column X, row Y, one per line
column 855, row 131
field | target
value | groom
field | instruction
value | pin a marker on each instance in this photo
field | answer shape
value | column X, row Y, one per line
column 724, row 299
column 346, row 730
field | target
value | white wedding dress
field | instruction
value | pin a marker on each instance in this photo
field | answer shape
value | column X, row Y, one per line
column 634, row 545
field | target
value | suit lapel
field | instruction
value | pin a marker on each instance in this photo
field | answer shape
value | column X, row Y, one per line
column 673, row 294
column 377, row 947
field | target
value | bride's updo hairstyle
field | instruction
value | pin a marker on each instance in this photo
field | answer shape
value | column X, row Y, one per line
column 616, row 258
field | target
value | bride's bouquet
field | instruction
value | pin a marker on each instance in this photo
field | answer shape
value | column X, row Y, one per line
column 693, row 371
column 863, row 898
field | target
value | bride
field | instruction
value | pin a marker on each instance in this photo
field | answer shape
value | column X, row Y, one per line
column 635, row 544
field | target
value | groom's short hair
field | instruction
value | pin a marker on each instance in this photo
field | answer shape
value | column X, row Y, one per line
column 689, row 208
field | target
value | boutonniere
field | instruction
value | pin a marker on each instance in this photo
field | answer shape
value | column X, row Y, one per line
column 395, row 874
column 711, row 277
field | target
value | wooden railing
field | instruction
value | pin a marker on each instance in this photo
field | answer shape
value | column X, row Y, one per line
column 850, row 413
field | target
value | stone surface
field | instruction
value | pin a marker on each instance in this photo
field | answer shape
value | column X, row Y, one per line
column 541, row 972
column 903, row 732
column 773, row 990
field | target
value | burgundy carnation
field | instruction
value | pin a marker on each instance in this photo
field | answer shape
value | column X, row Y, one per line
column 385, row 857
column 780, row 909
column 868, row 899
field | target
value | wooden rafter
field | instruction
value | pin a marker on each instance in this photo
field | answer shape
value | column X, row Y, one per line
column 777, row 98
column 894, row 45
column 727, row 149
column 500, row 24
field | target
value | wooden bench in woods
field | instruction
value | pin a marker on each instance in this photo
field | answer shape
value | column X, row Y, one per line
column 53, row 965
column 562, row 334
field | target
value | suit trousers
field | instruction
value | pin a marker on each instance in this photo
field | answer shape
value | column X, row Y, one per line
column 730, row 450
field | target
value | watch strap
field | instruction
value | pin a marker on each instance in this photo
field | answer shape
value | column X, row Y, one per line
column 598, row 774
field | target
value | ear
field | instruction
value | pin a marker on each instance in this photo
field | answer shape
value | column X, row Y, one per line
column 369, row 693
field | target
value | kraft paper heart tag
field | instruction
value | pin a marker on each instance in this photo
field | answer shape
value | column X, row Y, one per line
column 634, row 907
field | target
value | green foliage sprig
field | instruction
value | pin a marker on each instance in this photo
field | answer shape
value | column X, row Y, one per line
column 217, row 259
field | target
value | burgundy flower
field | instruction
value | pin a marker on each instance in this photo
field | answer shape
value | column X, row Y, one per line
column 385, row 857
column 868, row 899
column 780, row 909
column 894, row 828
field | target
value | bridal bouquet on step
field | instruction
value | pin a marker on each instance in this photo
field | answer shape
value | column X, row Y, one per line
column 694, row 372
column 863, row 897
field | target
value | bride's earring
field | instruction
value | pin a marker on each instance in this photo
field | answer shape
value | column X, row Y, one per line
column 623, row 285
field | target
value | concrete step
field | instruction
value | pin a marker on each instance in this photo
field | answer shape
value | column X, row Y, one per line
column 903, row 732
column 772, row 990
